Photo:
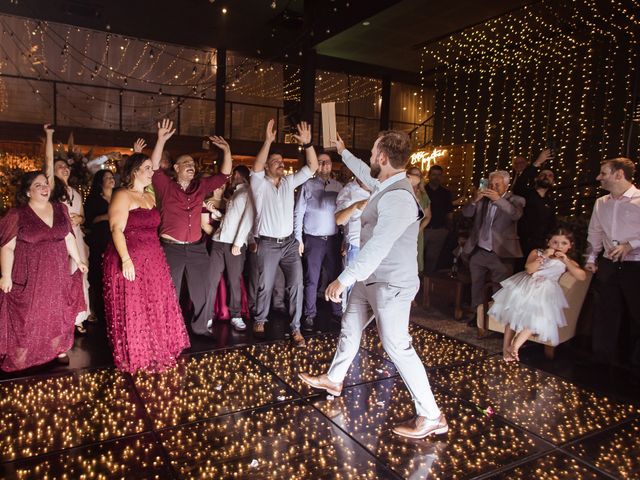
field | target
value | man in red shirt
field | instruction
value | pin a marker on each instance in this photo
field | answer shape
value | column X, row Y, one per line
column 180, row 194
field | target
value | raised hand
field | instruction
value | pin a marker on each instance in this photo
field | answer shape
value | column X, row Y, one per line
column 165, row 130
column 270, row 134
column 139, row 145
column 546, row 154
column 47, row 129
column 339, row 143
column 221, row 143
column 304, row 133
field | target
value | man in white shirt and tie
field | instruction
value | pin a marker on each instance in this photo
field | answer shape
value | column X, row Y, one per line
column 614, row 230
column 385, row 280
column 273, row 193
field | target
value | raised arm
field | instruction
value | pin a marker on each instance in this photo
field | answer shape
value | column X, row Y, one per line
column 304, row 138
column 360, row 169
column 48, row 152
column 269, row 138
column 118, row 217
column 165, row 132
column 139, row 145
column 227, row 161
column 513, row 206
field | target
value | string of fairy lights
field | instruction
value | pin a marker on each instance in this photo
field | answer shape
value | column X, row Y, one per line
column 84, row 60
column 559, row 73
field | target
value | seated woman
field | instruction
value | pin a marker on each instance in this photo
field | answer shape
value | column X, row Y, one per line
column 39, row 298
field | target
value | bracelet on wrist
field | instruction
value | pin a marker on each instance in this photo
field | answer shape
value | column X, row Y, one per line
column 307, row 145
column 128, row 259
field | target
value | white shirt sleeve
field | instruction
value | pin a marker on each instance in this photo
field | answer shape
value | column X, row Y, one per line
column 301, row 176
column 246, row 220
column 344, row 199
column 95, row 164
column 359, row 169
column 595, row 235
column 393, row 219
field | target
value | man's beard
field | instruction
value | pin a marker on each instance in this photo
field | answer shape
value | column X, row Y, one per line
column 375, row 170
column 543, row 183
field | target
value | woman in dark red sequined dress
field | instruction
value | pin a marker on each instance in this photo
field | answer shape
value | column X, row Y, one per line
column 39, row 297
column 144, row 321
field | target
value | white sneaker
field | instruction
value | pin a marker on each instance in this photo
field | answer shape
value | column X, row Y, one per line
column 209, row 323
column 238, row 324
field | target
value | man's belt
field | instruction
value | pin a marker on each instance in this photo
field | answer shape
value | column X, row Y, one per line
column 175, row 242
column 276, row 240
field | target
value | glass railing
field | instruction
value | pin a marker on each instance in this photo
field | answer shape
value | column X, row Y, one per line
column 33, row 100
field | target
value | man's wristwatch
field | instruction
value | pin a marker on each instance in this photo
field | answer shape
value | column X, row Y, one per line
column 307, row 145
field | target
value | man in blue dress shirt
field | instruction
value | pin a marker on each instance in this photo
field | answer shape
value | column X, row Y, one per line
column 316, row 230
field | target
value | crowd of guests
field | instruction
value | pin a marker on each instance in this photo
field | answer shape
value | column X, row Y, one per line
column 157, row 247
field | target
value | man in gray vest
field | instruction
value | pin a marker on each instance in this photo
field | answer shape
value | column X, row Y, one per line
column 385, row 275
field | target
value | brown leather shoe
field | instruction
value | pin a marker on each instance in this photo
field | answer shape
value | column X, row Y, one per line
column 322, row 382
column 258, row 329
column 298, row 339
column 420, row 427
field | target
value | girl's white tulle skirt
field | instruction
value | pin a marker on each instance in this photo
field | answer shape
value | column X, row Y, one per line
column 535, row 303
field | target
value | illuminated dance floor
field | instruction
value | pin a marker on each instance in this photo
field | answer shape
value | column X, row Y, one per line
column 241, row 412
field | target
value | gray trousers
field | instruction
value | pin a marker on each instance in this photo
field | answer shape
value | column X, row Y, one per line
column 252, row 275
column 434, row 239
column 481, row 263
column 270, row 255
column 391, row 306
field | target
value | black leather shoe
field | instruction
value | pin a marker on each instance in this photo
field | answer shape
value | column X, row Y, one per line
column 307, row 324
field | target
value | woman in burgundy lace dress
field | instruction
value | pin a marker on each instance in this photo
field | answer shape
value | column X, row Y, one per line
column 144, row 321
column 39, row 297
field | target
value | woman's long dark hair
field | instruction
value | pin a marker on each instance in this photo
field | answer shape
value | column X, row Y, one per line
column 96, row 183
column 131, row 165
column 59, row 191
column 26, row 180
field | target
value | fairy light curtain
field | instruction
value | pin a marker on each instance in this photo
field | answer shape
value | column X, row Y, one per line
column 560, row 73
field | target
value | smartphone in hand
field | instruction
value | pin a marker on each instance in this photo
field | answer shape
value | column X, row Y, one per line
column 484, row 184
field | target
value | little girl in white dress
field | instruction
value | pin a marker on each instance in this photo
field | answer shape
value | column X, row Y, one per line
column 532, row 302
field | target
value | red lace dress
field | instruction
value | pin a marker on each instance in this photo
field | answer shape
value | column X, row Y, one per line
column 144, row 322
column 37, row 316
